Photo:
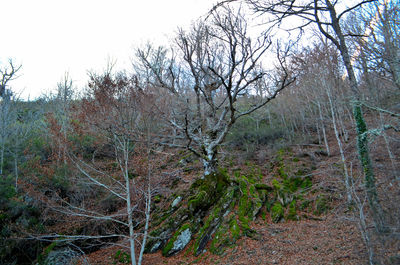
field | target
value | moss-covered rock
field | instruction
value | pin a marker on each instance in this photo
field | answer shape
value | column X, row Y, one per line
column 219, row 209
column 179, row 240
column 277, row 212
column 292, row 213
column 199, row 201
column 215, row 219
column 290, row 185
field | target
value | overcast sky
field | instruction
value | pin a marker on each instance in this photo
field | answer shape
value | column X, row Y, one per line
column 51, row 37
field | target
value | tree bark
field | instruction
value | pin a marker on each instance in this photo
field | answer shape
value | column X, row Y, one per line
column 210, row 163
column 323, row 129
column 361, row 127
column 347, row 178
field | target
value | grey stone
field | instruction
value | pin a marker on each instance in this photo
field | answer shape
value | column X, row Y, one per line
column 182, row 240
column 155, row 247
column 176, row 201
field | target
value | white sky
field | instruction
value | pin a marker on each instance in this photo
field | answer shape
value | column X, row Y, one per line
column 51, row 37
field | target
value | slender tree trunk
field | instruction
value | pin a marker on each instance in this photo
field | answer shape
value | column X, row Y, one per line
column 342, row 126
column 130, row 223
column 16, row 169
column 2, row 157
column 146, row 225
column 210, row 164
column 124, row 145
column 148, row 202
column 348, row 180
column 318, row 132
column 323, row 129
column 391, row 156
column 365, row 234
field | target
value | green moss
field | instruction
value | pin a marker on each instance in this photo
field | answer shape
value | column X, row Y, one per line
column 263, row 215
column 252, row 191
column 277, row 212
column 227, row 201
column 276, row 184
column 214, row 219
column 244, row 205
column 292, row 214
column 234, row 229
column 280, row 154
column 305, row 205
column 199, row 201
column 262, row 186
column 262, row 194
column 157, row 199
column 307, row 183
column 243, row 182
column 221, row 238
column 226, row 235
column 204, row 229
column 157, row 220
column 121, row 257
column 291, row 184
column 244, row 224
column 282, row 173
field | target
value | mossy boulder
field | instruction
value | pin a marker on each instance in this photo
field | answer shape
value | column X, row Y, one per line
column 219, row 208
column 289, row 187
column 214, row 219
column 277, row 212
column 199, row 201
column 292, row 213
column 178, row 241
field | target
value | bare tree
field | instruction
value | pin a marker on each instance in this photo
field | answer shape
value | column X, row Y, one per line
column 213, row 67
column 7, row 74
column 379, row 48
column 65, row 93
column 115, row 110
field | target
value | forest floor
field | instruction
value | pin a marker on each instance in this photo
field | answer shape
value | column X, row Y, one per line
column 330, row 241
column 331, row 238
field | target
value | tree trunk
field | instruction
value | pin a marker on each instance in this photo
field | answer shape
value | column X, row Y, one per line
column 210, row 164
column 361, row 127
column 392, row 53
column 323, row 129
column 348, row 180
column 16, row 169
column 130, row 221
column 2, row 157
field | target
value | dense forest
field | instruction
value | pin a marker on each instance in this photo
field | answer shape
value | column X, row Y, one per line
column 229, row 145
